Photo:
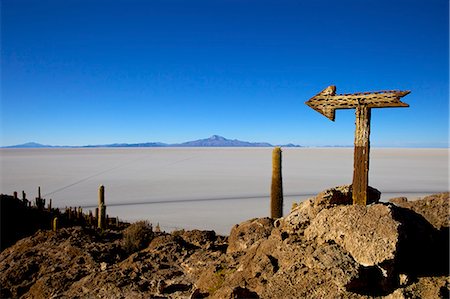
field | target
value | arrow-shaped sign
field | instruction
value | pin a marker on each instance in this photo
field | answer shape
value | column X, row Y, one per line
column 327, row 101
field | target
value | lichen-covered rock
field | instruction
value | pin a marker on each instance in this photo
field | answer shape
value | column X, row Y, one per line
column 301, row 216
column 37, row 266
column 247, row 233
column 398, row 200
column 369, row 233
column 324, row 248
column 342, row 195
column 337, row 262
column 199, row 238
column 434, row 208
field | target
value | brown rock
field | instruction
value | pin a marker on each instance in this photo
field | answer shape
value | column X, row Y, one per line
column 342, row 195
column 434, row 208
column 301, row 216
column 398, row 200
column 368, row 233
column 323, row 249
column 330, row 258
column 247, row 233
column 199, row 238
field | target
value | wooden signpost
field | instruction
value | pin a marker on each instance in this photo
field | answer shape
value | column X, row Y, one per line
column 326, row 103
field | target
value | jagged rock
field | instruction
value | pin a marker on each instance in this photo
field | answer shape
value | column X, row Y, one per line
column 244, row 235
column 428, row 287
column 301, row 216
column 342, row 195
column 385, row 240
column 235, row 293
column 204, row 239
column 323, row 249
column 331, row 258
column 369, row 233
column 435, row 208
column 398, row 200
column 50, row 261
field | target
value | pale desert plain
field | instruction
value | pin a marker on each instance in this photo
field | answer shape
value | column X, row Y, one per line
column 208, row 188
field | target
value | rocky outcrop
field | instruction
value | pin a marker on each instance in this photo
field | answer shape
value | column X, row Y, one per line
column 244, row 235
column 369, row 233
column 301, row 216
column 434, row 208
column 325, row 248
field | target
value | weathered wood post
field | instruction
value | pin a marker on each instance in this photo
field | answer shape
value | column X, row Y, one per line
column 326, row 102
column 101, row 208
column 361, row 155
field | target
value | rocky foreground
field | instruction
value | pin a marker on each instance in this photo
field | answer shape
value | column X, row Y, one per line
column 325, row 248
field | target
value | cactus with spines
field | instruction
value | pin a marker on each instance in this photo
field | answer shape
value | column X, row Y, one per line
column 101, row 208
column 276, row 194
column 90, row 218
column 39, row 201
column 55, row 224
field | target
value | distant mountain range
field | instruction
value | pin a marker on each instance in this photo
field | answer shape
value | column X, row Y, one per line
column 213, row 141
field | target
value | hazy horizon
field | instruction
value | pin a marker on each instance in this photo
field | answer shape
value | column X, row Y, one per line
column 227, row 137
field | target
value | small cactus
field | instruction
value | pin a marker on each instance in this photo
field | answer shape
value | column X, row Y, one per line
column 15, row 194
column 90, row 218
column 55, row 224
column 101, row 208
column 24, row 198
column 157, row 228
column 101, row 195
column 276, row 194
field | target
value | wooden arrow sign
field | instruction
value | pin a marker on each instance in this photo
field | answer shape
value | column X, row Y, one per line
column 327, row 101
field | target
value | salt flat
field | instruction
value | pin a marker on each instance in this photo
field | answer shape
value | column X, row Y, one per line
column 208, row 188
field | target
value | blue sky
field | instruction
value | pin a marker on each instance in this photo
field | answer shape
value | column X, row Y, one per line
column 78, row 72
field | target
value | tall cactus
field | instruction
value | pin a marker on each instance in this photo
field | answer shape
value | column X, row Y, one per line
column 276, row 194
column 40, row 202
column 101, row 208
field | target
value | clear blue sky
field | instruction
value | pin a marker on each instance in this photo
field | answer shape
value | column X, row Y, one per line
column 95, row 71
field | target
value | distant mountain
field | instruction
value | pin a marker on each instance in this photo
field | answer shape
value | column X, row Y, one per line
column 29, row 145
column 146, row 144
column 213, row 141
column 219, row 141
column 289, row 145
